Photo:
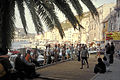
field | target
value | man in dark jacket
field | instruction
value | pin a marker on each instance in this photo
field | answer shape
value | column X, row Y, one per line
column 100, row 67
column 108, row 51
column 112, row 47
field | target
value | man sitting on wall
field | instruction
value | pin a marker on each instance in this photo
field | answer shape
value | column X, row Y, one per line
column 22, row 65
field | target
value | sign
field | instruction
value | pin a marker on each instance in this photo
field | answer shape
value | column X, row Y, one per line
column 112, row 35
column 109, row 36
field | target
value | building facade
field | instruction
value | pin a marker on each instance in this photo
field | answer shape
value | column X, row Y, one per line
column 112, row 26
column 92, row 32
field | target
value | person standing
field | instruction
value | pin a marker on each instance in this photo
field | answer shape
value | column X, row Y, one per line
column 56, row 53
column 98, row 51
column 112, row 48
column 84, row 56
column 28, row 56
column 71, row 50
column 79, row 49
column 63, row 52
column 48, row 54
column 68, row 53
column 107, row 48
column 59, row 48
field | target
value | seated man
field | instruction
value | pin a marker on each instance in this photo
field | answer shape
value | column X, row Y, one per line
column 22, row 65
column 5, row 64
column 100, row 67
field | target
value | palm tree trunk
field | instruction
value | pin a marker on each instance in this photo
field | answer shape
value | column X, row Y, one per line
column 6, row 23
column 1, row 21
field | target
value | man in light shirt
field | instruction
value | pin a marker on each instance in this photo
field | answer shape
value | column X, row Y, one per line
column 84, row 56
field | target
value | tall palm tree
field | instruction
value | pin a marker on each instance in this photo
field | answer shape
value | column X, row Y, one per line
column 41, row 10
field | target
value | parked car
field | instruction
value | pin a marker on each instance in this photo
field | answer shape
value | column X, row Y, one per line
column 92, row 52
column 102, row 51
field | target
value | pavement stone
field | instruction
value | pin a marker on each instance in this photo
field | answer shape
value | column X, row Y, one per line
column 114, row 75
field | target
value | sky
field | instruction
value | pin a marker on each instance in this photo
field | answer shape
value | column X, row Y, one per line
column 30, row 24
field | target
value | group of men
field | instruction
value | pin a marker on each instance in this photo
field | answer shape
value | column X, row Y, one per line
column 109, row 52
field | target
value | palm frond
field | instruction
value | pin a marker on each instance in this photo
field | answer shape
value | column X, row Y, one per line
column 76, row 4
column 65, row 9
column 22, row 13
column 91, row 7
column 54, row 18
column 36, row 20
column 45, row 16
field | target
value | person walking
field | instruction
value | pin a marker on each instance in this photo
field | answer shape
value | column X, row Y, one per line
column 84, row 56
column 112, row 48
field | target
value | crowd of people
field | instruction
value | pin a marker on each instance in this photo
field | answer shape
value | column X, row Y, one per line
column 25, row 64
column 57, row 52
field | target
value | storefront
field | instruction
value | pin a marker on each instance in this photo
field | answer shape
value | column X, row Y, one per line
column 115, row 37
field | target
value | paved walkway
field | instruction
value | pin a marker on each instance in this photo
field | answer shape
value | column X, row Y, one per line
column 69, row 70
column 114, row 75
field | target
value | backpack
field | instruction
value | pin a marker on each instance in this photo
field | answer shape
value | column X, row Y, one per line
column 2, row 70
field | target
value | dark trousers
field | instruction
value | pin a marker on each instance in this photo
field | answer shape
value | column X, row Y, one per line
column 35, row 62
column 84, row 59
column 49, row 60
column 78, row 55
column 111, row 58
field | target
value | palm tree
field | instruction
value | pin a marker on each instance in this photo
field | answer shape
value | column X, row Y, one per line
column 41, row 10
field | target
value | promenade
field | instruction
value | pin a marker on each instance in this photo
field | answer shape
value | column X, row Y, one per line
column 69, row 70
